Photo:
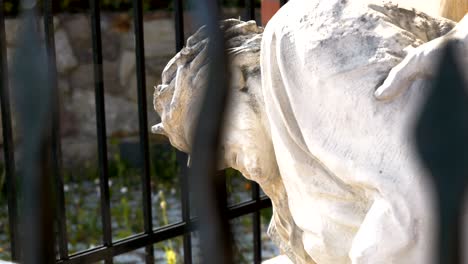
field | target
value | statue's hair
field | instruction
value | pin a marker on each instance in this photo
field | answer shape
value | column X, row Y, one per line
column 242, row 39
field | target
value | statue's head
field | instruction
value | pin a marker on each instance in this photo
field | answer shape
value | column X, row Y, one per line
column 177, row 100
column 245, row 144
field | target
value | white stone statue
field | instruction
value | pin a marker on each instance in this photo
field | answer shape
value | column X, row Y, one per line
column 306, row 122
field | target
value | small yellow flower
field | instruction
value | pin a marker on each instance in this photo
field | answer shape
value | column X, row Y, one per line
column 163, row 205
column 171, row 256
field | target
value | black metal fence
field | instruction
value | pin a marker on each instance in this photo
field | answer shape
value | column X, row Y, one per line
column 39, row 205
column 41, row 199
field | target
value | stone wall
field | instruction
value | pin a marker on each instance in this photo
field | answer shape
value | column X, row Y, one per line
column 76, row 80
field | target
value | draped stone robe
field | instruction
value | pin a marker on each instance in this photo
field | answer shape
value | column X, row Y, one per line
column 355, row 186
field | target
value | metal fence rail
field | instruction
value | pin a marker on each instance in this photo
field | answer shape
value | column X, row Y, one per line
column 62, row 239
column 440, row 139
column 143, row 121
column 34, row 105
column 257, row 239
column 8, row 140
column 101, row 127
column 109, row 248
column 182, row 158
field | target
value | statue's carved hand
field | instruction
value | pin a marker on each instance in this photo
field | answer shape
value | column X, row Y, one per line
column 420, row 62
column 417, row 64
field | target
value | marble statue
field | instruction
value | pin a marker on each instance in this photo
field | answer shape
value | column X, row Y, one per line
column 321, row 108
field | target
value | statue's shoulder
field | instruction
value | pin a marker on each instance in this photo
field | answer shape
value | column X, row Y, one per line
column 327, row 18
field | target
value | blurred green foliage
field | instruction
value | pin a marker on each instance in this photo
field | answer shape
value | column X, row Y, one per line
column 12, row 7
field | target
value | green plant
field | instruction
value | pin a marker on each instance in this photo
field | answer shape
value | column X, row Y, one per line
column 12, row 7
column 64, row 4
column 164, row 164
column 8, row 7
column 84, row 212
column 3, row 189
column 119, row 168
column 171, row 256
column 125, row 211
column 266, row 214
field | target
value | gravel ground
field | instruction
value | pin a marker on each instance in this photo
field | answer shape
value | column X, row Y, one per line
column 83, row 221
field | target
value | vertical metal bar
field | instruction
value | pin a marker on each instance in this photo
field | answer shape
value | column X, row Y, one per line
column 143, row 121
column 182, row 157
column 8, row 141
column 210, row 188
column 179, row 24
column 440, row 138
column 283, row 2
column 256, row 220
column 185, row 189
column 256, row 225
column 101, row 125
column 250, row 8
column 55, row 130
column 32, row 100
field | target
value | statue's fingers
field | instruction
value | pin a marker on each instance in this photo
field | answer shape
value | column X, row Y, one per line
column 200, row 60
column 398, row 80
column 414, row 65
column 418, row 63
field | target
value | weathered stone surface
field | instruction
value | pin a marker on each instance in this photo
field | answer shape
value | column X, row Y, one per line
column 110, row 36
column 159, row 38
column 127, row 66
column 56, row 22
column 80, row 25
column 69, row 127
column 283, row 259
column 111, row 79
column 82, row 78
column 12, row 27
column 131, row 87
column 10, row 55
column 76, row 73
column 337, row 163
column 121, row 114
column 66, row 60
column 78, row 150
column 63, row 86
column 11, row 30
column 121, row 117
column 111, row 45
column 156, row 65
column 79, row 28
